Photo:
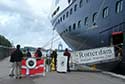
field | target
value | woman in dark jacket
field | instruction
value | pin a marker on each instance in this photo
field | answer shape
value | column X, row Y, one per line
column 38, row 53
column 11, row 73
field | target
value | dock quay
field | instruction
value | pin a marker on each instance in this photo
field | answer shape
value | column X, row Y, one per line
column 73, row 77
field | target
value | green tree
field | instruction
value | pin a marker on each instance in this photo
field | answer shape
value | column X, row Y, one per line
column 5, row 42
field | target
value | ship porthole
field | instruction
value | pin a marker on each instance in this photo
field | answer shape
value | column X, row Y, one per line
column 69, row 1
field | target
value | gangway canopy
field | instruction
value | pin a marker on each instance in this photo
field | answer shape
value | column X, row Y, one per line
column 117, row 37
column 117, row 33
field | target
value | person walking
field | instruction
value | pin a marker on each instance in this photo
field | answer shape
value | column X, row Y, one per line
column 11, row 73
column 17, row 56
column 67, row 53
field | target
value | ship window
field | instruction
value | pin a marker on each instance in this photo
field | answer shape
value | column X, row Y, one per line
column 70, row 28
column 94, row 17
column 105, row 12
column 66, row 30
column 75, row 7
column 86, row 21
column 74, row 26
column 79, row 24
column 70, row 11
column 69, row 1
column 58, row 21
column 81, row 3
column 119, row 6
column 67, row 13
column 57, row 9
column 87, row 1
column 55, row 12
column 63, row 17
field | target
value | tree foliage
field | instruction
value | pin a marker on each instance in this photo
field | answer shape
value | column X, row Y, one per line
column 5, row 42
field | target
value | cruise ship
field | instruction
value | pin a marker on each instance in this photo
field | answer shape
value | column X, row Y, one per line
column 88, row 24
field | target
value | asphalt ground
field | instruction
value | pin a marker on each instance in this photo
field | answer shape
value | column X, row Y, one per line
column 74, row 77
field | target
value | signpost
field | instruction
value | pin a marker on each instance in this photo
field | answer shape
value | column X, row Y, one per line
column 62, row 63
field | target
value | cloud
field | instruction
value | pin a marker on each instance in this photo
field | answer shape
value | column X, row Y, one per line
column 26, row 22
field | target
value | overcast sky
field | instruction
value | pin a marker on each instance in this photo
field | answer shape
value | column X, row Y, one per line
column 27, row 22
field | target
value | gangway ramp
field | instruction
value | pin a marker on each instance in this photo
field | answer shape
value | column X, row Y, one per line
column 59, row 78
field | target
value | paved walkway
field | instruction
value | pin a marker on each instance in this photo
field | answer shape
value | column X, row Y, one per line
column 58, row 78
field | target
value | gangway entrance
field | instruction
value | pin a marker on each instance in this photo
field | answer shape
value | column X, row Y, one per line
column 118, row 40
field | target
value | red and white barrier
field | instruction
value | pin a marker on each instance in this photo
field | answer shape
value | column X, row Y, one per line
column 32, row 67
